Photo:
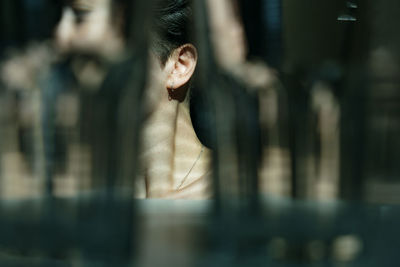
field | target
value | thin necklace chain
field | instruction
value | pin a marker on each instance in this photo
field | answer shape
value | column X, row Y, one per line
column 194, row 164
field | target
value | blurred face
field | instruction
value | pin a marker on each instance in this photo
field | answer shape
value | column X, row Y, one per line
column 91, row 26
column 87, row 25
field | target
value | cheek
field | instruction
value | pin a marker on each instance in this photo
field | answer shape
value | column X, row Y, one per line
column 65, row 30
column 94, row 30
column 156, row 91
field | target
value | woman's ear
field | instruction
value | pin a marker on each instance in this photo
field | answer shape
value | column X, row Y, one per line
column 181, row 66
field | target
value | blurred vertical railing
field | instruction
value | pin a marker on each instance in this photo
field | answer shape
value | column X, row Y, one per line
column 118, row 111
column 235, row 139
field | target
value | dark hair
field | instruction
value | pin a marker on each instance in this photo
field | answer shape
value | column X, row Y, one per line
column 171, row 23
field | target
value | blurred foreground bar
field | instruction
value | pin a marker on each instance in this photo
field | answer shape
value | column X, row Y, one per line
column 178, row 233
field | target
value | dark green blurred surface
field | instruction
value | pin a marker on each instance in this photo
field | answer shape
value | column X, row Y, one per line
column 185, row 233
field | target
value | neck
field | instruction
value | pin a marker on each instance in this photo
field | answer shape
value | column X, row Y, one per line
column 172, row 154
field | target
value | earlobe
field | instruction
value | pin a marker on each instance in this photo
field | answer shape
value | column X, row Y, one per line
column 183, row 65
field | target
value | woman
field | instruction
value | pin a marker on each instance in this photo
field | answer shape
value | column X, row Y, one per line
column 175, row 164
